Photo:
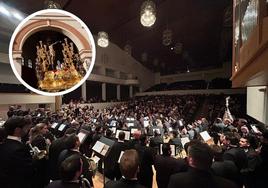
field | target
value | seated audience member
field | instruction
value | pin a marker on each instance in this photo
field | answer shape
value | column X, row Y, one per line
column 224, row 168
column 165, row 166
column 16, row 168
column 199, row 159
column 129, row 167
column 70, row 172
column 73, row 144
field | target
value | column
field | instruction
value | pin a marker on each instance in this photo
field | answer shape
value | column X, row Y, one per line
column 130, row 91
column 58, row 102
column 118, row 92
column 103, row 89
column 84, row 91
column 17, row 59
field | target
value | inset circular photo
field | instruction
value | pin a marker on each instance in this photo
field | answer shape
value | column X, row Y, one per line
column 52, row 52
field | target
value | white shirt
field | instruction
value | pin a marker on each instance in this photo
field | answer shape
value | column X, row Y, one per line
column 14, row 138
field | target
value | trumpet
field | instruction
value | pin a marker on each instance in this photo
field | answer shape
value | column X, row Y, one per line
column 93, row 166
column 37, row 153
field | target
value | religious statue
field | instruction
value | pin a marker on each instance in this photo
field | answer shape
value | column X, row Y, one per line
column 61, row 76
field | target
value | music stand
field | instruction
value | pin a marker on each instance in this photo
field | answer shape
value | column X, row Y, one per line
column 82, row 135
column 102, row 148
column 127, row 134
column 173, row 149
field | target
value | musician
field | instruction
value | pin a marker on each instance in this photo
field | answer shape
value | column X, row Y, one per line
column 40, row 159
column 165, row 166
column 70, row 172
column 199, row 159
column 56, row 147
column 129, row 166
column 73, row 144
column 146, row 157
column 16, row 168
column 111, row 161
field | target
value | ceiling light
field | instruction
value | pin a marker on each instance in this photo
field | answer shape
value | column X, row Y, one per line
column 148, row 13
column 4, row 10
column 52, row 4
column 103, row 39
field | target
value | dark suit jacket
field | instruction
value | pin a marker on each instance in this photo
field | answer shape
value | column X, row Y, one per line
column 238, row 156
column 227, row 169
column 146, row 157
column 111, row 164
column 67, row 153
column 56, row 147
column 165, row 166
column 123, row 183
column 16, row 168
column 194, row 178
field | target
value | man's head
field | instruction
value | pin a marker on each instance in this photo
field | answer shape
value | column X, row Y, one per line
column 121, row 136
column 244, row 142
column 200, row 156
column 166, row 149
column 73, row 142
column 71, row 168
column 17, row 126
column 230, row 139
column 129, row 164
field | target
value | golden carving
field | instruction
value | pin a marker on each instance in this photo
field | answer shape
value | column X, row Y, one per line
column 61, row 77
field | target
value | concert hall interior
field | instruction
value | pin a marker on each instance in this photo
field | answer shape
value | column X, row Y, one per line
column 177, row 96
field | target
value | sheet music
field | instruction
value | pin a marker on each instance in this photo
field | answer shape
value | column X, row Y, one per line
column 81, row 136
column 133, row 130
column 254, row 128
column 95, row 159
column 146, row 123
column 54, row 125
column 113, row 129
column 98, row 147
column 173, row 150
column 205, row 136
column 62, row 126
column 121, row 154
column 184, row 141
column 130, row 124
column 104, row 150
column 127, row 134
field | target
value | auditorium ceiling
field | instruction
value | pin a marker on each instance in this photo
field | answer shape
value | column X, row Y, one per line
column 203, row 27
